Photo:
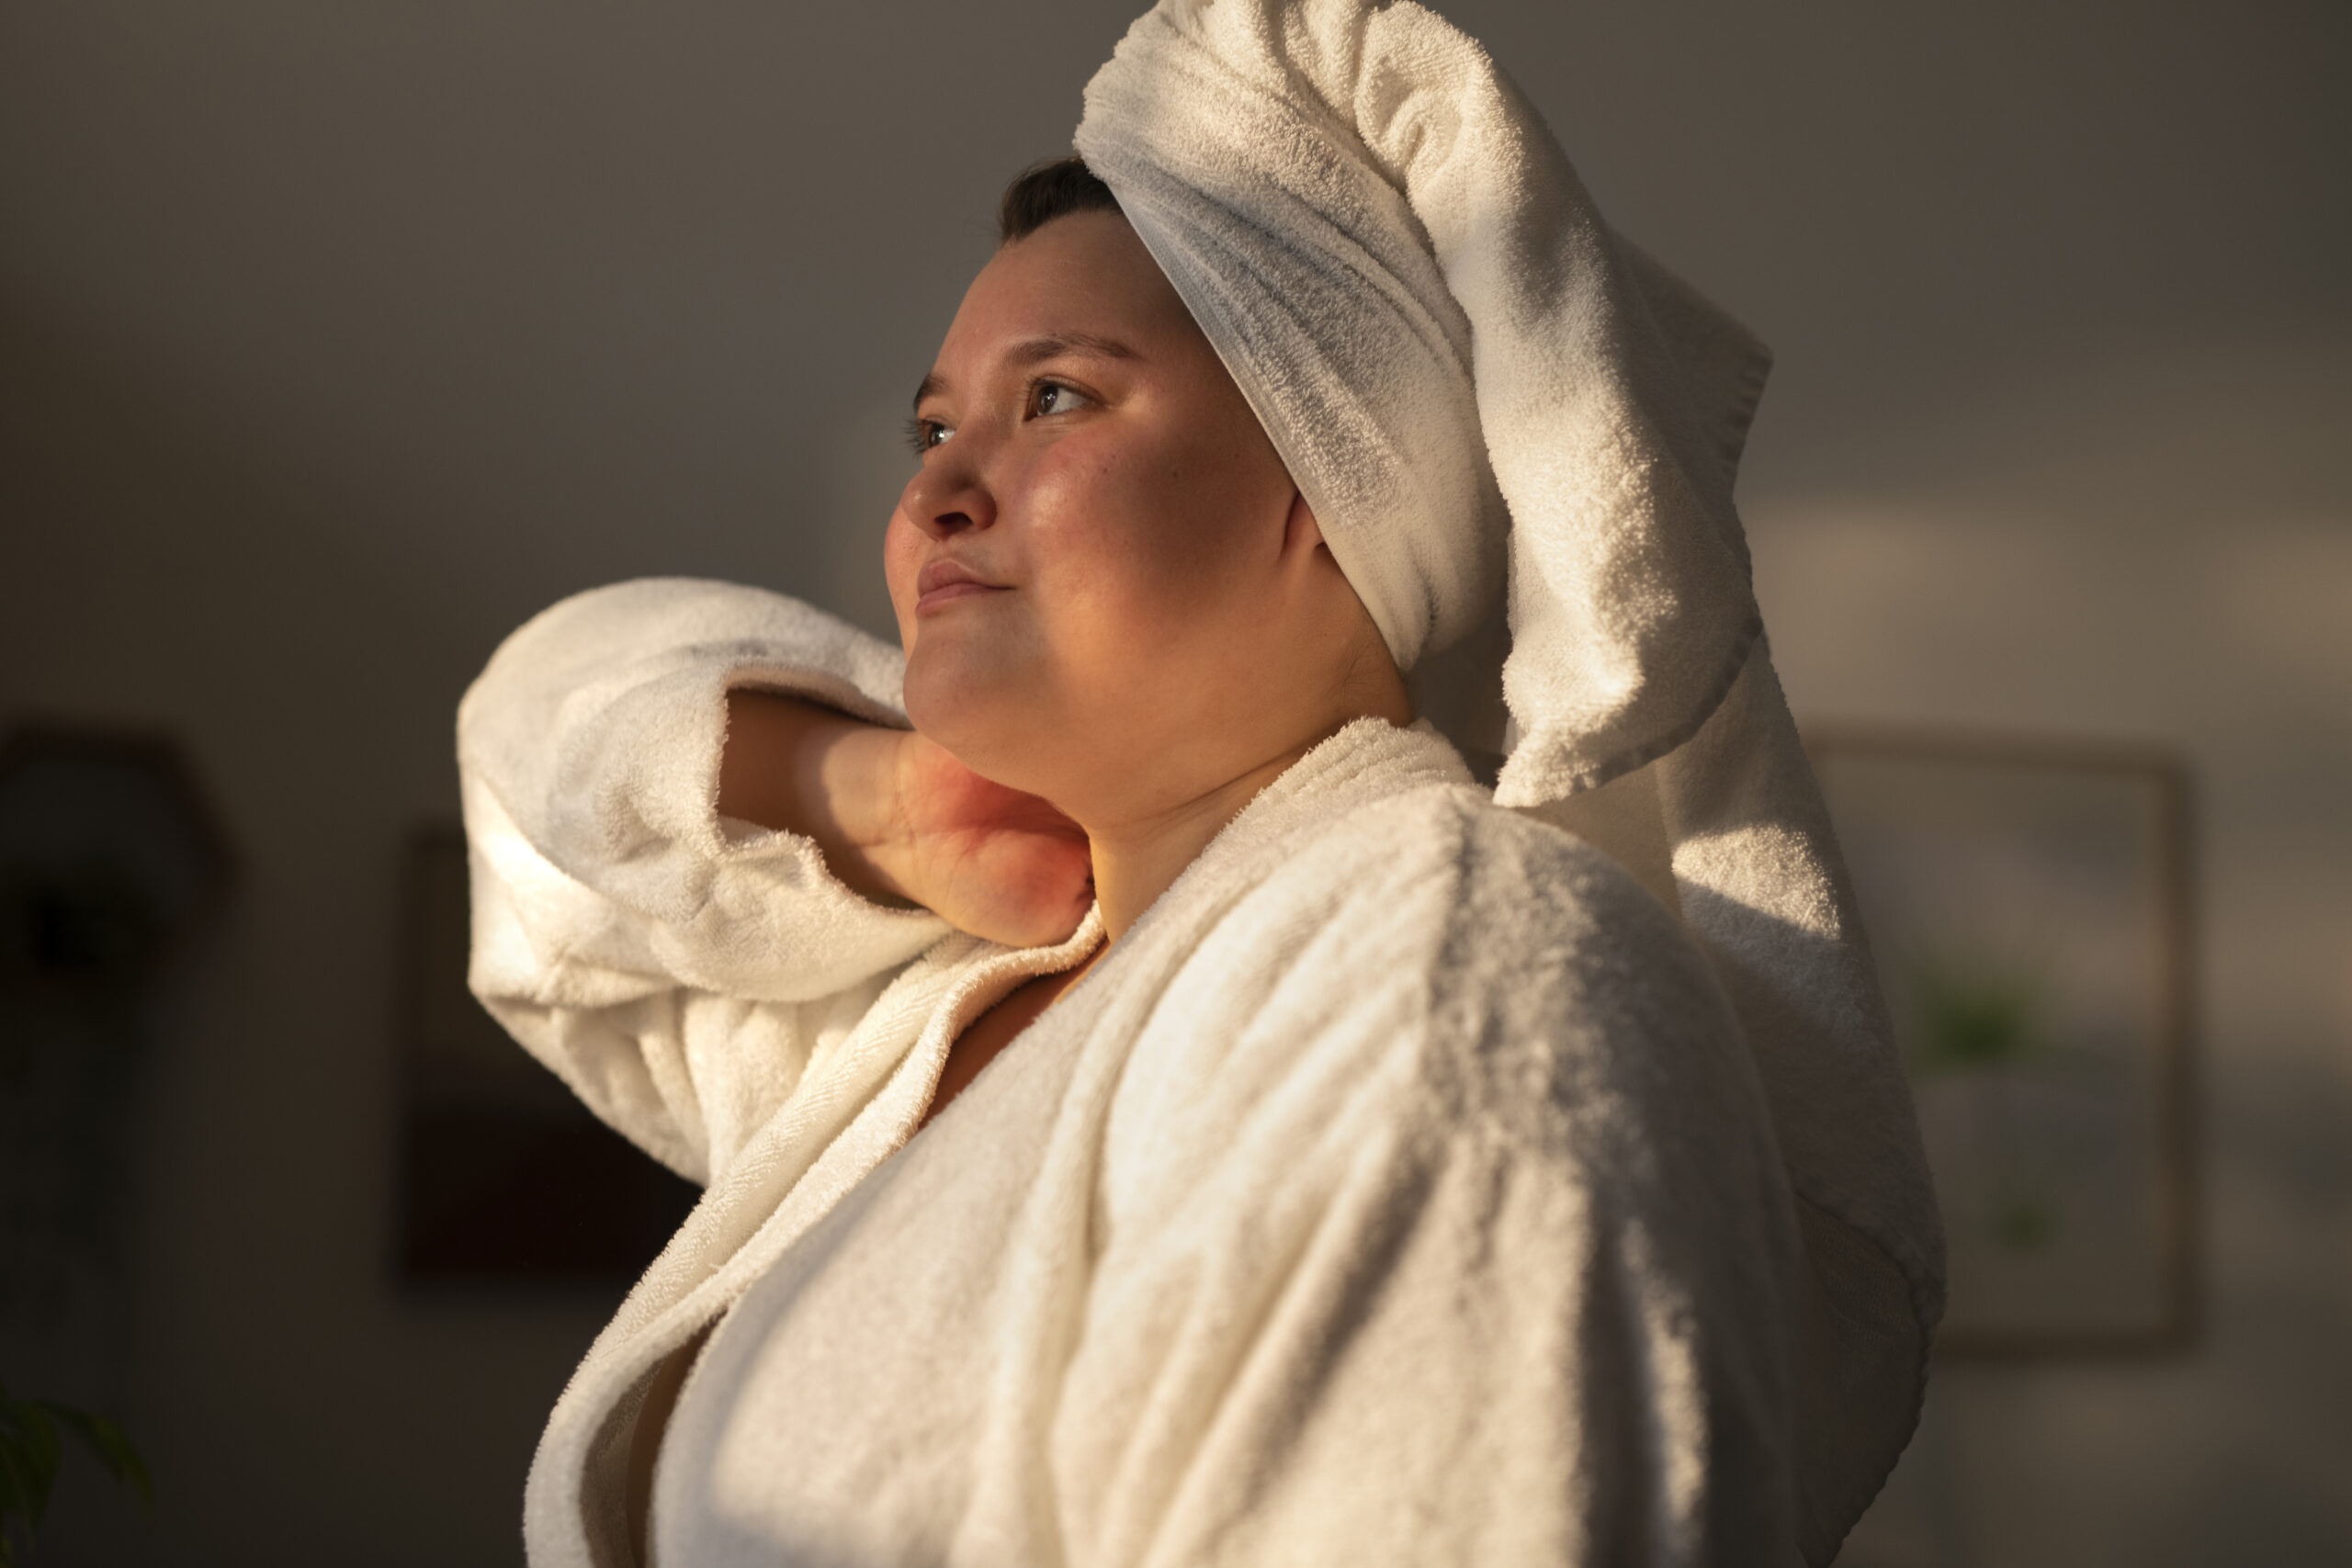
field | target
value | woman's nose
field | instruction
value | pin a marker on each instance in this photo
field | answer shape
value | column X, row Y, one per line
column 947, row 496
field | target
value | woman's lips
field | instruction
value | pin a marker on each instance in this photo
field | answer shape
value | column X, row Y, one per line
column 943, row 582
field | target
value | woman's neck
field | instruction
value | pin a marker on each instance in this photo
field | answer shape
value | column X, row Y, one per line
column 1136, row 861
column 1140, row 853
column 1139, row 857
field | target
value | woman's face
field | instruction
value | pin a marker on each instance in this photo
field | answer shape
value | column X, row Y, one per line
column 1109, row 590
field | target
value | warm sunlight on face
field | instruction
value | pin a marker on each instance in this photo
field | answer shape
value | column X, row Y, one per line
column 1107, row 586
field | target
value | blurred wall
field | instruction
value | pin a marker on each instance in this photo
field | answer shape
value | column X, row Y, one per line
column 2159, row 547
column 337, row 340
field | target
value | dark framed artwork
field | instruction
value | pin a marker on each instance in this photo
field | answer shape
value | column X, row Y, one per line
column 504, row 1176
column 115, row 870
column 2029, row 904
column 112, row 859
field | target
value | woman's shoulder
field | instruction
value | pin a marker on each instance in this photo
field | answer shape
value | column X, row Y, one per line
column 1534, row 981
column 1504, row 881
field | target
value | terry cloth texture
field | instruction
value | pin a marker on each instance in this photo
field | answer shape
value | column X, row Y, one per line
column 1473, row 379
column 1398, row 1190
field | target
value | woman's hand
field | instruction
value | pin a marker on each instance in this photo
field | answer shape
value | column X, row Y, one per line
column 990, row 860
column 899, row 819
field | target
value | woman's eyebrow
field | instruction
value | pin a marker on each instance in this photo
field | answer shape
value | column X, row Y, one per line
column 1053, row 345
column 1036, row 350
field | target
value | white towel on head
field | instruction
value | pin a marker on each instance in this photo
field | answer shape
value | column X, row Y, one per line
column 1409, row 286
column 1466, row 374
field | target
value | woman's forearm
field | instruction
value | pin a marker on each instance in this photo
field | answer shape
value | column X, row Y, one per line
column 797, row 767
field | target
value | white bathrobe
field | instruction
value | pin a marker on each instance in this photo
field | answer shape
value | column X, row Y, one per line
column 1397, row 1190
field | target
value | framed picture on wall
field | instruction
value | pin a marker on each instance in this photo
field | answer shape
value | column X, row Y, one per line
column 504, row 1176
column 2029, row 904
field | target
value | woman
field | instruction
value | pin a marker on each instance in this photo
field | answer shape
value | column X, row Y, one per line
column 1159, row 1108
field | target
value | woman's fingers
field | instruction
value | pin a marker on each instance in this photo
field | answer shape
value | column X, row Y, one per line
column 1011, row 885
column 990, row 860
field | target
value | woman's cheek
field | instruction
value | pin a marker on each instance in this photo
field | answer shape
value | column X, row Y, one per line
column 1136, row 548
column 900, row 561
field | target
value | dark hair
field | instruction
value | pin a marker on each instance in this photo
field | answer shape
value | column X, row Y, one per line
column 1045, row 191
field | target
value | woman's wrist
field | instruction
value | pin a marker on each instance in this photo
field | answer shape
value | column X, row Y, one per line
column 851, row 783
column 796, row 767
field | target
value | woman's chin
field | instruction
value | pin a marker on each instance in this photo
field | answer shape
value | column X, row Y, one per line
column 979, row 717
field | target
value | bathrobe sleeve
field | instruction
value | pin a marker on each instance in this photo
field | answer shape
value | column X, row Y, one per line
column 678, row 971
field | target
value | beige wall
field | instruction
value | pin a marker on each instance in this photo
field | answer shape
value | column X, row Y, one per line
column 334, row 341
column 2158, row 549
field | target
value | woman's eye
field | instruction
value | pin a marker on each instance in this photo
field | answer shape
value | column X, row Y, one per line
column 923, row 435
column 1052, row 397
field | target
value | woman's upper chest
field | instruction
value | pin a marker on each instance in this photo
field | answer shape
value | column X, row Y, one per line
column 984, row 1038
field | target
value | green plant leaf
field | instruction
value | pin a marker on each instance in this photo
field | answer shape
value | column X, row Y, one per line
column 106, row 1440
column 28, row 1458
column 16, row 1490
column 1973, row 1018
